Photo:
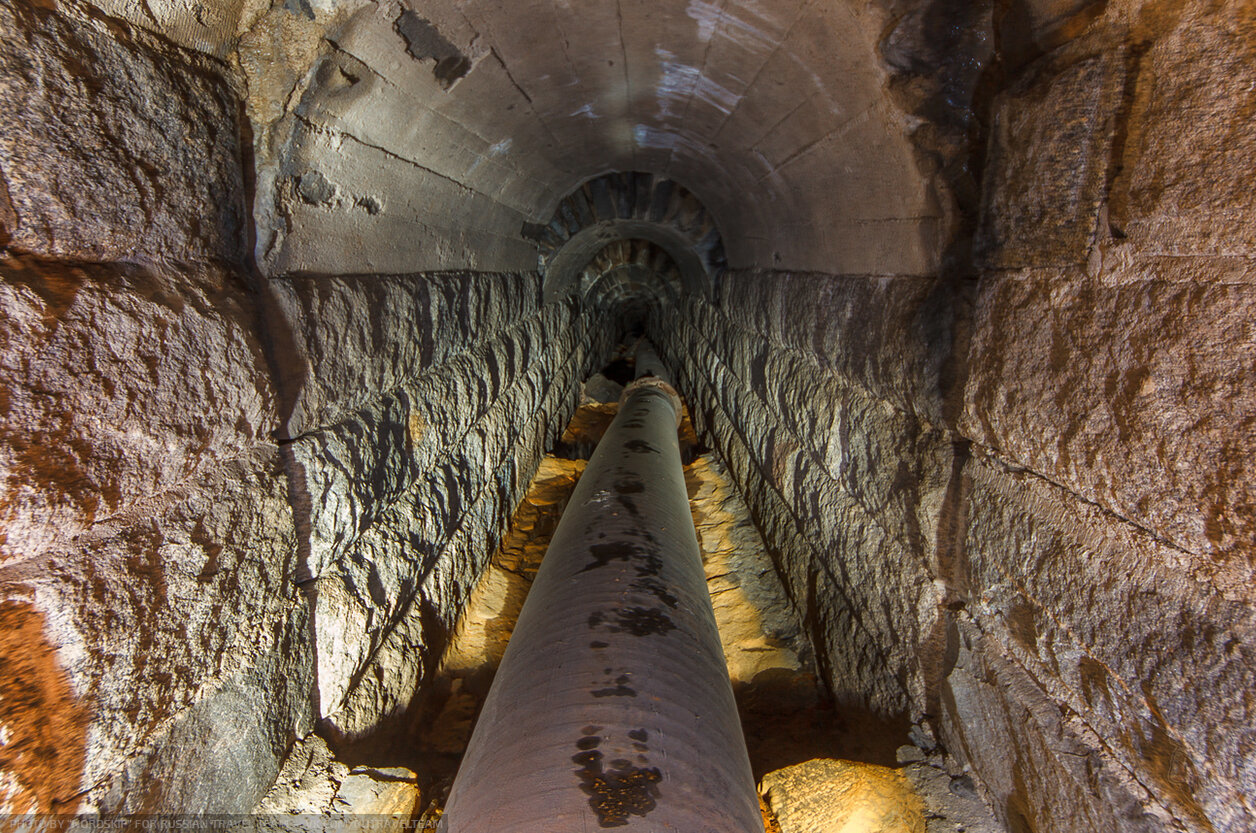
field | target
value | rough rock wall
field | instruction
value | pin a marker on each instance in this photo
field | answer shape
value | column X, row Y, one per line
column 148, row 543
column 231, row 506
column 814, row 402
column 1106, row 675
column 1021, row 505
column 409, row 456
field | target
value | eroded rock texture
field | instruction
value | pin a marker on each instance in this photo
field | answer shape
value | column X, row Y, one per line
column 1017, row 505
column 981, row 373
column 400, row 499
column 827, row 794
column 146, row 520
column 108, row 154
column 164, row 424
column 325, row 793
column 845, row 481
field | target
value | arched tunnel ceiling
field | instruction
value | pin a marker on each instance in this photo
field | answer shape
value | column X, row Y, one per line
column 408, row 136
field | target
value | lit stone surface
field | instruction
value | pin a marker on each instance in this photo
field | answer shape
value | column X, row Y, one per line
column 146, row 520
column 107, row 151
column 980, row 371
column 316, row 792
column 417, row 551
column 832, row 796
column 810, row 456
column 488, row 618
column 1172, row 377
column 758, row 627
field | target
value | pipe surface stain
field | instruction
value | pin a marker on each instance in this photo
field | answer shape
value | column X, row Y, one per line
column 640, row 447
column 617, row 691
column 644, row 621
column 622, row 791
column 656, row 589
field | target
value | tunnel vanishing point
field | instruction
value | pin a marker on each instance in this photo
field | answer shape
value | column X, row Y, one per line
column 295, row 296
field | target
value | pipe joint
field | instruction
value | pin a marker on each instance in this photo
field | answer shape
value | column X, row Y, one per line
column 655, row 385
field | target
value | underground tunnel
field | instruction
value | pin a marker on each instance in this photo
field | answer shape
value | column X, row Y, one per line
column 314, row 315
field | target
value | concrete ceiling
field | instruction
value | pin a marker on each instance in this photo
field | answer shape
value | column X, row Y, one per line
column 412, row 136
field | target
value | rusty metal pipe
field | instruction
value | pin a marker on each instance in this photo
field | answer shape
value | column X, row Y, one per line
column 612, row 707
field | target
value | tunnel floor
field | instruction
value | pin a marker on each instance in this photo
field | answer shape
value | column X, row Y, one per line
column 809, row 756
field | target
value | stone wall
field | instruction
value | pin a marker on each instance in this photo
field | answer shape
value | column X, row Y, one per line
column 1014, row 504
column 232, row 506
column 828, row 415
column 1105, row 673
column 148, row 542
column 410, row 458
column 1019, row 505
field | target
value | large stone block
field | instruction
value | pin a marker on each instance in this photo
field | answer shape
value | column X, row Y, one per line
column 1188, row 161
column 1049, row 158
column 891, row 336
column 178, row 628
column 383, row 610
column 346, row 475
column 1141, row 652
column 1036, row 769
column 833, row 556
column 223, row 752
column 114, row 145
column 119, row 384
column 1132, row 393
column 348, row 207
column 341, row 342
column 830, row 794
column 895, row 468
column 895, row 465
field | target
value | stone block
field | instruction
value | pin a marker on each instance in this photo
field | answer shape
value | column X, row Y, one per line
column 832, row 555
column 880, row 456
column 1034, row 770
column 826, row 794
column 1049, row 158
column 383, row 611
column 115, row 145
column 1140, row 654
column 1132, row 394
column 364, row 223
column 890, row 336
column 119, row 385
column 341, row 342
column 345, row 476
column 315, row 793
column 176, row 628
column 222, row 753
column 361, row 794
column 1187, row 167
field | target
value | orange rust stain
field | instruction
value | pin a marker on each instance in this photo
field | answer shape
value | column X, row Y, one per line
column 770, row 824
column 43, row 725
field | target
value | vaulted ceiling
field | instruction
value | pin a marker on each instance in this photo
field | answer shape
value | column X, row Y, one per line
column 403, row 136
